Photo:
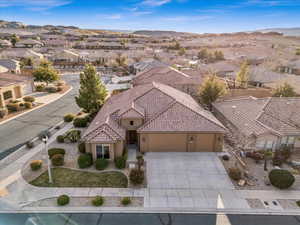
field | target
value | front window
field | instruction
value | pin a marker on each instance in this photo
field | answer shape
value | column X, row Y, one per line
column 7, row 95
column 102, row 151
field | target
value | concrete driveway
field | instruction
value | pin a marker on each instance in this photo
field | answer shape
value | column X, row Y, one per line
column 186, row 170
column 189, row 180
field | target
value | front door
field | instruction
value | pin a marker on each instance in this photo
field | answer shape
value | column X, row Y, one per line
column 132, row 137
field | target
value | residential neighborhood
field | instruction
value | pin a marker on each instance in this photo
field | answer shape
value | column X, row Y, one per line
column 142, row 122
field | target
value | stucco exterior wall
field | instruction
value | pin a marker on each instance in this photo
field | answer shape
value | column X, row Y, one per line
column 115, row 149
column 180, row 142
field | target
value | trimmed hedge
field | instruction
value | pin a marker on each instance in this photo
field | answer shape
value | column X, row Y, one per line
column 235, row 173
column 28, row 105
column 85, row 160
column 81, row 147
column 101, row 164
column 57, row 160
column 60, row 138
column 63, row 200
column 40, row 88
column 98, row 201
column 3, row 112
column 55, row 151
column 73, row 135
column 50, row 89
column 36, row 165
column 29, row 99
column 281, row 179
column 13, row 107
column 80, row 122
column 125, row 201
column 136, row 176
column 120, row 162
column 69, row 117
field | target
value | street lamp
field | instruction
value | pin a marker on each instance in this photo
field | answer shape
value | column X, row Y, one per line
column 45, row 139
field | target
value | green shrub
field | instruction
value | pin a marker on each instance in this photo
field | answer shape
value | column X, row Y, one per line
column 125, row 201
column 85, row 160
column 36, row 165
column 69, row 117
column 73, row 135
column 28, row 105
column 29, row 144
column 51, row 89
column 136, row 176
column 60, row 138
column 80, row 122
column 55, row 151
column 3, row 112
column 120, row 162
column 28, row 99
column 101, row 164
column 81, row 147
column 98, row 201
column 40, row 88
column 57, row 160
column 13, row 107
column 235, row 173
column 63, row 200
column 281, row 179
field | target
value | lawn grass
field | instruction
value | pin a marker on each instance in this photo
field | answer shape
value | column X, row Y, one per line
column 63, row 177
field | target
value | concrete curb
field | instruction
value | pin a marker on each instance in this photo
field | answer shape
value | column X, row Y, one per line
column 21, row 114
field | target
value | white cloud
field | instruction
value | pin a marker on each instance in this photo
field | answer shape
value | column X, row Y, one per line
column 187, row 18
column 154, row 3
column 34, row 4
column 110, row 16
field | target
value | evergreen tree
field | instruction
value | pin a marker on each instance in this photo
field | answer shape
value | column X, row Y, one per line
column 92, row 92
column 284, row 90
column 14, row 39
column 45, row 73
column 242, row 76
column 211, row 90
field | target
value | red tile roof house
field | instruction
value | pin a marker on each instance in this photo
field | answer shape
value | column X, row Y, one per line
column 155, row 117
column 265, row 123
column 187, row 81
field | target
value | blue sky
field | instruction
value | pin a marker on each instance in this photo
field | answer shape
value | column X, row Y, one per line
column 201, row 16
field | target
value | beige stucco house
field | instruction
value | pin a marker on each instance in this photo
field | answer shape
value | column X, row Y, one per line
column 262, row 123
column 156, row 118
column 13, row 86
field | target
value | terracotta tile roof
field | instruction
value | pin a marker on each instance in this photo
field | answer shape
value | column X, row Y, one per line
column 279, row 116
column 154, row 101
column 7, row 79
column 166, row 75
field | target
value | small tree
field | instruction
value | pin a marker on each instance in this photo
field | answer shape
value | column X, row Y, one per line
column 181, row 52
column 211, row 90
column 45, row 73
column 242, row 76
column 14, row 39
column 202, row 54
column 284, row 90
column 92, row 92
column 121, row 61
column 219, row 55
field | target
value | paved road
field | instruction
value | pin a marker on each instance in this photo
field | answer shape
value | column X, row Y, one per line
column 144, row 219
column 16, row 132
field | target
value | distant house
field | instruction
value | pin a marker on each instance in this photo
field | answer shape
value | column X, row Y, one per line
column 14, row 86
column 156, row 118
column 260, row 76
column 291, row 67
column 145, row 65
column 65, row 56
column 265, row 123
column 29, row 43
column 188, row 82
column 56, row 43
column 5, row 43
column 12, row 65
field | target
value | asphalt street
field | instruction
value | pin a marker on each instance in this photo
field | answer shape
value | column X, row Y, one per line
column 144, row 219
column 18, row 131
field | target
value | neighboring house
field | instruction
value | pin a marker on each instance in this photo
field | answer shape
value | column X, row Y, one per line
column 65, row 56
column 12, row 65
column 3, row 69
column 5, row 43
column 260, row 76
column 20, row 53
column 156, row 118
column 30, row 43
column 13, row 86
column 188, row 82
column 265, row 123
column 56, row 43
column 145, row 65
column 292, row 68
column 224, row 69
